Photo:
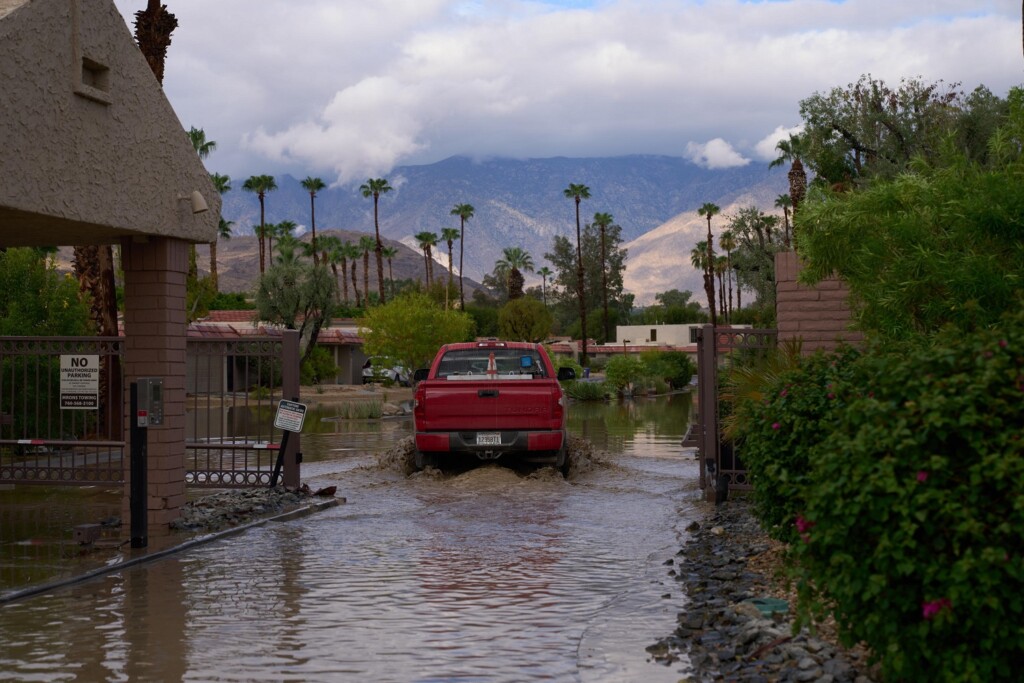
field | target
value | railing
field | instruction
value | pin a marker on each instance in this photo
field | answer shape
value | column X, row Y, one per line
column 721, row 468
column 50, row 436
column 234, row 388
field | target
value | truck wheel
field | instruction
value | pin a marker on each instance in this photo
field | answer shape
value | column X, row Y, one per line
column 562, row 462
column 423, row 460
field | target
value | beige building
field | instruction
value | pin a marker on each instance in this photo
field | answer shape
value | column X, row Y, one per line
column 91, row 152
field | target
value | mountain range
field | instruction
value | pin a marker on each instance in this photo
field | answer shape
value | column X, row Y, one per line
column 518, row 203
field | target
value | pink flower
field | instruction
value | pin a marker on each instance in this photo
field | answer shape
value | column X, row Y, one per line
column 804, row 526
column 1003, row 343
column 831, row 395
column 782, row 394
column 776, row 425
column 931, row 608
column 922, row 476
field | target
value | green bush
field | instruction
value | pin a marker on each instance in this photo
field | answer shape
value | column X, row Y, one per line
column 777, row 429
column 622, row 371
column 586, row 391
column 674, row 367
column 319, row 367
column 912, row 532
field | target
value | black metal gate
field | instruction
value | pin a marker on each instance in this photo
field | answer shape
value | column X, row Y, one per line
column 721, row 469
column 47, row 437
column 51, row 436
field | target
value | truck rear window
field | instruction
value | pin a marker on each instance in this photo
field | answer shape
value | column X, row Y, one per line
column 508, row 363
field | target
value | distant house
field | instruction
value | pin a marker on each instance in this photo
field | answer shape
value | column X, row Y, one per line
column 639, row 338
column 341, row 340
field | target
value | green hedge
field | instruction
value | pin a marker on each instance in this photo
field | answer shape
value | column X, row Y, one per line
column 912, row 535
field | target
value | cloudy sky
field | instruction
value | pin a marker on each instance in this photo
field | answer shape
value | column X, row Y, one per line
column 348, row 89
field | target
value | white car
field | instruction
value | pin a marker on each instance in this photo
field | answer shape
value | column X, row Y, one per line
column 375, row 373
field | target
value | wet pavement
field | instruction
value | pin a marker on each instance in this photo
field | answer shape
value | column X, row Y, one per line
column 482, row 575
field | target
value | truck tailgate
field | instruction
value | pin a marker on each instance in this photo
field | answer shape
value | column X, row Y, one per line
column 491, row 405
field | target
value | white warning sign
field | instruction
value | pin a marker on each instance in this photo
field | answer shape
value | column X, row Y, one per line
column 79, row 382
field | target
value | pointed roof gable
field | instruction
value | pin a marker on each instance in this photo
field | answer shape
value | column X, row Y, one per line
column 90, row 148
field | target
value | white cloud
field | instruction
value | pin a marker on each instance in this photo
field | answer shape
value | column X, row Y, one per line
column 765, row 148
column 354, row 88
column 715, row 153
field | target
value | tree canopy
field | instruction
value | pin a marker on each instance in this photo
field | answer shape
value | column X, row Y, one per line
column 411, row 328
column 938, row 244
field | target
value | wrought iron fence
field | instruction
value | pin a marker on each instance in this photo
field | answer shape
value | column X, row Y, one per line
column 61, row 431
column 721, row 465
column 233, row 389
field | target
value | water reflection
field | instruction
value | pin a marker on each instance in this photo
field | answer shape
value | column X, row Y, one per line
column 649, row 426
column 480, row 575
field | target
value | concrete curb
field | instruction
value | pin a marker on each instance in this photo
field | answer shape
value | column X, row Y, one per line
column 160, row 554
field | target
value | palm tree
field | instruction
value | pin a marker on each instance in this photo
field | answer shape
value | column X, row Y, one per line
column 544, row 273
column 721, row 265
column 329, row 247
column 202, row 146
column 708, row 209
column 366, row 245
column 375, row 187
column 602, row 221
column 448, row 236
column 577, row 193
column 784, row 202
column 352, row 252
column 313, row 185
column 389, row 253
column 153, row 28
column 793, row 150
column 728, row 242
column 282, row 231
column 261, row 185
column 514, row 261
column 427, row 240
column 464, row 212
column 222, row 183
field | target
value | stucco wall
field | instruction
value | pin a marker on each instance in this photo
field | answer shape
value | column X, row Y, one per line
column 90, row 148
column 818, row 316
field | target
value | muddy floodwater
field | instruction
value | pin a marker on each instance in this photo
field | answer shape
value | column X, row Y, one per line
column 485, row 574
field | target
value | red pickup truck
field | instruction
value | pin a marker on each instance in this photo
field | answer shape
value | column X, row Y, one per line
column 490, row 400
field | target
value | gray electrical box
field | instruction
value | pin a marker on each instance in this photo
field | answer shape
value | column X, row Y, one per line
column 151, row 401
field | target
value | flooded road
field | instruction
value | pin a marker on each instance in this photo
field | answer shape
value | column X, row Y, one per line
column 482, row 575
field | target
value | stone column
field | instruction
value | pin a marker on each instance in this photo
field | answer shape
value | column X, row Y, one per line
column 155, row 335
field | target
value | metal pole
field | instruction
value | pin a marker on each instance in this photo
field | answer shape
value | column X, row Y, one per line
column 139, row 472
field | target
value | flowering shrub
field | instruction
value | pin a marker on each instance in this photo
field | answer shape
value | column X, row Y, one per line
column 913, row 511
column 776, row 433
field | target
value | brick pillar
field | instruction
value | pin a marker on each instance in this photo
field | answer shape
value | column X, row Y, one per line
column 818, row 316
column 155, row 334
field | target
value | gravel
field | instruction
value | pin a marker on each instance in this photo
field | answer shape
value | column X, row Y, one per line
column 723, row 632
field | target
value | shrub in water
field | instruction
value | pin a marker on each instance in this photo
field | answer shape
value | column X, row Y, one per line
column 912, row 531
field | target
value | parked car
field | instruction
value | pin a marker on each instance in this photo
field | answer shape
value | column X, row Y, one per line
column 376, row 370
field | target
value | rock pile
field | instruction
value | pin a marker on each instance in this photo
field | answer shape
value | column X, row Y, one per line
column 729, row 630
column 235, row 507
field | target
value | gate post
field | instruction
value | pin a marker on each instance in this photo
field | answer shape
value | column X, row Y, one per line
column 290, row 391
column 707, row 387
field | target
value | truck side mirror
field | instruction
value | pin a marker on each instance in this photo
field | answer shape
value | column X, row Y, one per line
column 566, row 373
column 420, row 374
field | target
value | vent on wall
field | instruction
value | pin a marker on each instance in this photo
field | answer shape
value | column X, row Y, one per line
column 94, row 81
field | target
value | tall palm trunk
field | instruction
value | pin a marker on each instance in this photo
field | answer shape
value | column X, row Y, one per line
column 580, row 287
column 604, row 284
column 344, row 277
column 153, row 28
column 213, row 265
column 355, row 288
column 378, row 251
column 366, row 277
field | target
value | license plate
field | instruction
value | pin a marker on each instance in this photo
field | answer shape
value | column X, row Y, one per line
column 488, row 439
